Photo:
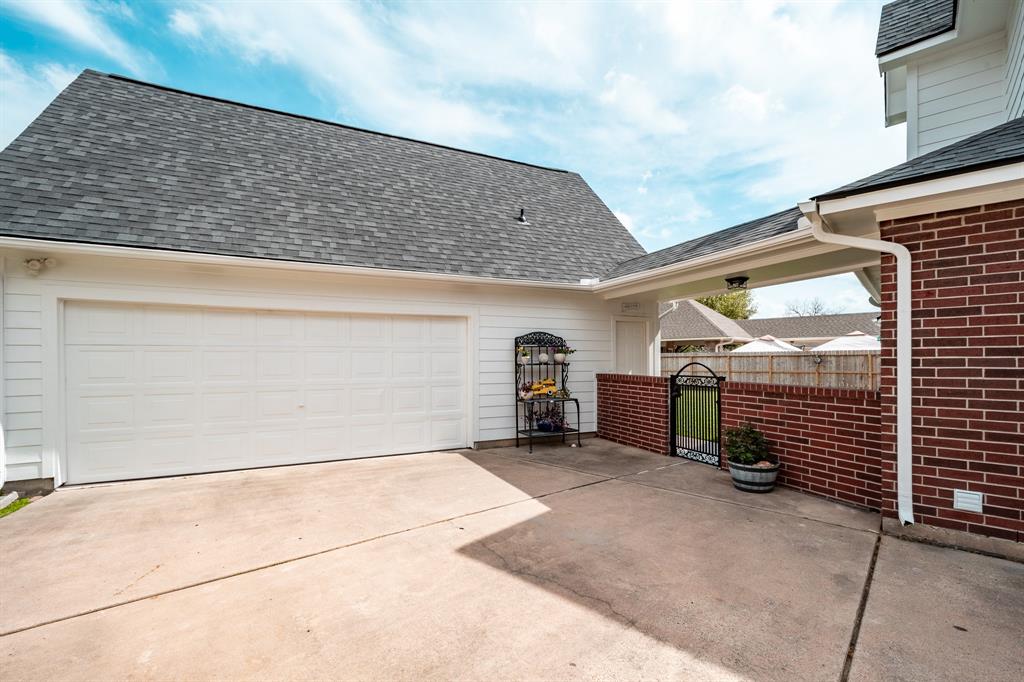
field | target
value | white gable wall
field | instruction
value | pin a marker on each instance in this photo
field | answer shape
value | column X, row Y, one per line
column 956, row 94
column 33, row 416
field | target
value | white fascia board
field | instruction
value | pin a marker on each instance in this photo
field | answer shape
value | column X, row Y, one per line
column 77, row 248
column 974, row 188
column 794, row 237
column 900, row 57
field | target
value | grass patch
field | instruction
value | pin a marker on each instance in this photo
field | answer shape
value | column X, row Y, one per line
column 14, row 506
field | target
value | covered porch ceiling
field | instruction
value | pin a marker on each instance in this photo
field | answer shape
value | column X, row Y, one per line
column 789, row 257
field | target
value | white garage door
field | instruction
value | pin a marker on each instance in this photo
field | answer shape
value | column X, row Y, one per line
column 159, row 390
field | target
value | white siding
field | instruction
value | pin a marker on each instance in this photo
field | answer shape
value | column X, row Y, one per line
column 33, row 420
column 1015, row 62
column 958, row 94
column 22, row 358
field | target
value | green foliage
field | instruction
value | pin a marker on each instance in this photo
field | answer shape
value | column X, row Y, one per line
column 14, row 506
column 746, row 445
column 736, row 305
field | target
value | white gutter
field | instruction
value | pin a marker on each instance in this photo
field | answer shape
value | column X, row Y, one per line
column 904, row 385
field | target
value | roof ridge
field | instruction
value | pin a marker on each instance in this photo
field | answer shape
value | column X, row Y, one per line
column 256, row 107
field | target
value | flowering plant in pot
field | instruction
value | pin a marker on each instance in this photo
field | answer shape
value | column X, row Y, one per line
column 524, row 355
column 751, row 464
column 562, row 352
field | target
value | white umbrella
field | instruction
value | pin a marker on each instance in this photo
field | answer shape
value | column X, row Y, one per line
column 767, row 344
column 851, row 341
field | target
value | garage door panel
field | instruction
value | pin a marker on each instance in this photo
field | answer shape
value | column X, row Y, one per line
column 369, row 364
column 329, row 366
column 228, row 327
column 368, row 331
column 158, row 410
column 278, row 365
column 326, row 331
column 169, row 366
column 100, row 367
column 167, row 326
column 157, row 390
column 99, row 324
column 227, row 366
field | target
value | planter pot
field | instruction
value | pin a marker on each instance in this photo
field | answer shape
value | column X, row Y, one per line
column 524, row 359
column 543, row 357
column 559, row 358
column 753, row 479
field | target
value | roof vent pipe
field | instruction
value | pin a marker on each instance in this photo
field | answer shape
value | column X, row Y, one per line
column 904, row 384
column 522, row 216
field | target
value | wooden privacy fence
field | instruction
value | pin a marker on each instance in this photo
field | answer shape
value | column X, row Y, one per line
column 851, row 369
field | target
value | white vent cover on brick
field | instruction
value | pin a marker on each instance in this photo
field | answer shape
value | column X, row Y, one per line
column 967, row 500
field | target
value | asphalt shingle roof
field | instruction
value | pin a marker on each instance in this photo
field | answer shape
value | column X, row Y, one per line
column 905, row 22
column 731, row 237
column 118, row 162
column 812, row 326
column 693, row 320
column 997, row 146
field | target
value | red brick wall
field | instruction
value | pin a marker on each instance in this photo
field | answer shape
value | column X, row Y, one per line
column 633, row 410
column 968, row 372
column 827, row 439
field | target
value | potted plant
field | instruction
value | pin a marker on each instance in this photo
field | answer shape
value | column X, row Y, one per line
column 751, row 463
column 524, row 355
column 562, row 352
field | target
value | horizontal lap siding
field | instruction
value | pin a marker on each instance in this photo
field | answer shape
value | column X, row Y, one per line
column 968, row 366
column 23, row 375
column 961, row 94
column 827, row 440
column 633, row 410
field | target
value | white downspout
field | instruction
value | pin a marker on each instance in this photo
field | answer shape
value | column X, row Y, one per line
column 904, row 384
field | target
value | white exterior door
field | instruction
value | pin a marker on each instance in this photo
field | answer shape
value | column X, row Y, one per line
column 162, row 390
column 631, row 346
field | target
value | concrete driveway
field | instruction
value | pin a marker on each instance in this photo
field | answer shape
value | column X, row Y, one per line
column 600, row 562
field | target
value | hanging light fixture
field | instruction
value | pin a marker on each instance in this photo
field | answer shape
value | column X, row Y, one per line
column 737, row 282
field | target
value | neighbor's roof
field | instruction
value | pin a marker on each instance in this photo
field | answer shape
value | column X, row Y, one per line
column 118, row 162
column 905, row 22
column 997, row 146
column 693, row 320
column 812, row 326
column 729, row 238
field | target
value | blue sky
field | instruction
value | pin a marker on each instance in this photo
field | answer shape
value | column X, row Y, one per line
column 684, row 117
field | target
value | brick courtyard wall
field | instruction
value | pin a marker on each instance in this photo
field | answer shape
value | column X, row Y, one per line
column 633, row 410
column 968, row 372
column 827, row 439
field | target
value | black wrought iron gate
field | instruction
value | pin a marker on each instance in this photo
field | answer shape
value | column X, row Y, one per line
column 696, row 415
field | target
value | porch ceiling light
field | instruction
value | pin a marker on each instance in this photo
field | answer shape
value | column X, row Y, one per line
column 737, row 282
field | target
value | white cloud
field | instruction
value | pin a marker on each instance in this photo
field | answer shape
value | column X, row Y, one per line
column 745, row 102
column 185, row 24
column 346, row 53
column 639, row 105
column 26, row 93
column 626, row 220
column 78, row 22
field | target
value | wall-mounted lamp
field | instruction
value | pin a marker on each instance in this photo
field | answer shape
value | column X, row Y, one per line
column 737, row 282
column 36, row 265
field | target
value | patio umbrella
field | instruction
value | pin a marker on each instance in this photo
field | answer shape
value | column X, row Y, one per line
column 767, row 344
column 851, row 341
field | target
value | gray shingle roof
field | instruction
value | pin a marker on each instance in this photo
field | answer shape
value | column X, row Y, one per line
column 693, row 320
column 905, row 22
column 997, row 146
column 114, row 161
column 812, row 326
column 731, row 237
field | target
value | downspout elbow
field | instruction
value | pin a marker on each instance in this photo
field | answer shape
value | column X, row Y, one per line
column 904, row 331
